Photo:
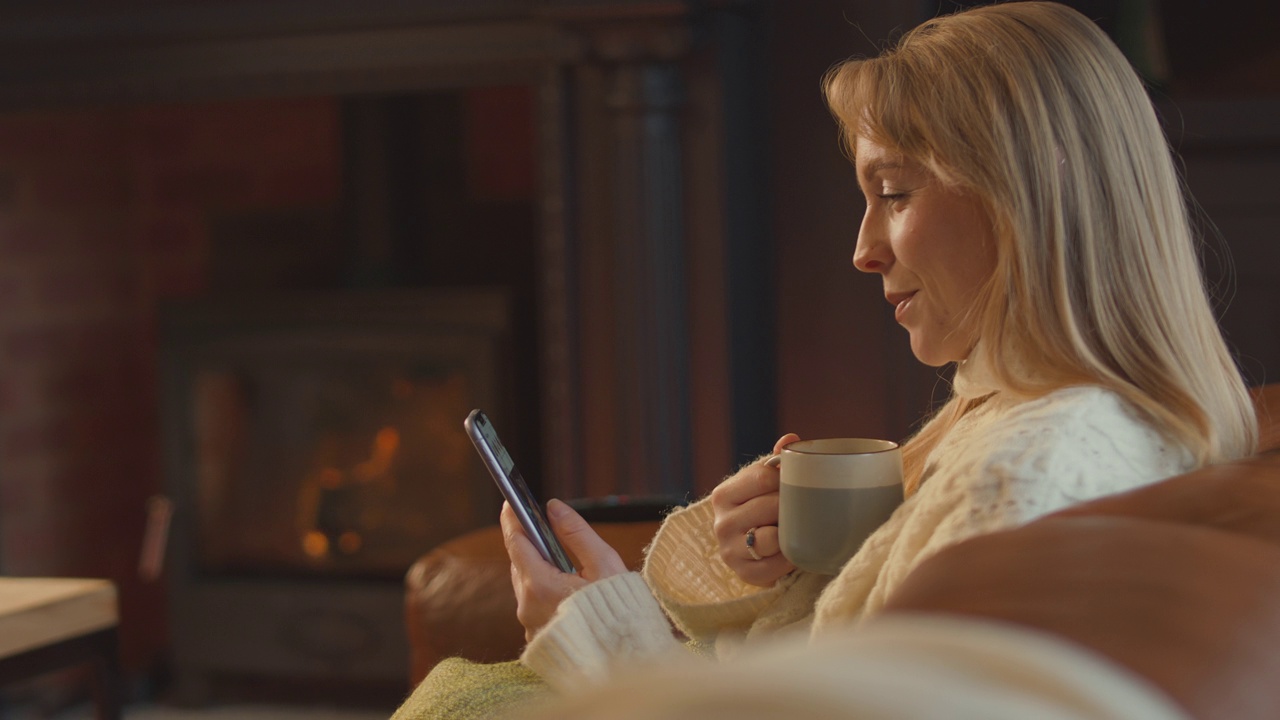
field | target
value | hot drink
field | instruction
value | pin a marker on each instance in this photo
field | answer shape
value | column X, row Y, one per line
column 827, row 515
column 834, row 493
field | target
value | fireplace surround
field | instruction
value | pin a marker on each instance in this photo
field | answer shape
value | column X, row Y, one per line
column 637, row 289
column 314, row 450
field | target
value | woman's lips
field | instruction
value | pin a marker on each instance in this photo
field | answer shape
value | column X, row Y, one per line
column 900, row 303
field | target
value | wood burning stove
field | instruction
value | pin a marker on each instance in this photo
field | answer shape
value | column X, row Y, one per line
column 314, row 449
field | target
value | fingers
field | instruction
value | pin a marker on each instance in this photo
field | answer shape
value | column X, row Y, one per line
column 599, row 560
column 766, row 541
column 766, row 570
column 752, row 480
column 731, row 525
column 784, row 441
column 539, row 586
column 764, row 573
column 749, row 482
column 746, row 501
column 519, row 548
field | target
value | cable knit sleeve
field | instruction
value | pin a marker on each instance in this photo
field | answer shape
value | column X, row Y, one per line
column 684, row 568
column 1003, row 468
column 605, row 624
column 705, row 598
column 621, row 620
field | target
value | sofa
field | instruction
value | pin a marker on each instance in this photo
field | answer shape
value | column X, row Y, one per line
column 459, row 601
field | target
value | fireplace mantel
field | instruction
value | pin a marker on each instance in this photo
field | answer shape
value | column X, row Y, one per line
column 78, row 52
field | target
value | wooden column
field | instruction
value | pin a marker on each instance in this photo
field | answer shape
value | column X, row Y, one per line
column 635, row 409
column 652, row 342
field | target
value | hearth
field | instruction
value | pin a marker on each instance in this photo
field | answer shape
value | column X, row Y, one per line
column 314, row 450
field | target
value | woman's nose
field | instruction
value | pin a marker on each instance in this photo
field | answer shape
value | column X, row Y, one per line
column 871, row 254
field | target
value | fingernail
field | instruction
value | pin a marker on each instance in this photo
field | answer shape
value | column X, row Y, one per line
column 556, row 508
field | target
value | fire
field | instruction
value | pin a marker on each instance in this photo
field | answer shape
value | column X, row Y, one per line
column 318, row 543
column 330, row 478
column 315, row 544
column 349, row 542
column 385, row 445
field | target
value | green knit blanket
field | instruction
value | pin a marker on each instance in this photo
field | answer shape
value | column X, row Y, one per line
column 458, row 689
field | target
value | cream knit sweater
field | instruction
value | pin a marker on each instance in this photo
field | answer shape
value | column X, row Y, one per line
column 1005, row 463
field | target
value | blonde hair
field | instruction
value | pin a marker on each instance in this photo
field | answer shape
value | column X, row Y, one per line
column 1030, row 107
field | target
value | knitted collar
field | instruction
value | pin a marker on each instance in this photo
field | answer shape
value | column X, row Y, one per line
column 973, row 377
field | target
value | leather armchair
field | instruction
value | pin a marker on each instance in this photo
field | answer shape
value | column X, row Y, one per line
column 458, row 596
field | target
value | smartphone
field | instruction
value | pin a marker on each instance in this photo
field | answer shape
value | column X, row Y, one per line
column 511, row 483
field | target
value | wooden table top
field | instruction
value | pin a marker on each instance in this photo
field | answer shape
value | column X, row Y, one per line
column 35, row 612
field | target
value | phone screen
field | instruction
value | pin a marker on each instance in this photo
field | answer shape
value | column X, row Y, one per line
column 511, row 482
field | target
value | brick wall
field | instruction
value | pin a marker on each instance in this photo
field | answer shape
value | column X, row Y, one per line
column 104, row 215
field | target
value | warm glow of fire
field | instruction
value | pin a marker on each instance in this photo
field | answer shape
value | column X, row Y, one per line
column 315, row 544
column 385, row 445
column 349, row 542
column 330, row 478
column 387, row 441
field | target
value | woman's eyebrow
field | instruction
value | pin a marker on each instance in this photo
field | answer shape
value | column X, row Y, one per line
column 875, row 166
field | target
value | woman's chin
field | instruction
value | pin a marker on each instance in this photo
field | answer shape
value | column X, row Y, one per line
column 930, row 354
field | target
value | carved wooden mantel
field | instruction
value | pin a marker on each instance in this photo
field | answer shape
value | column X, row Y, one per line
column 626, row 198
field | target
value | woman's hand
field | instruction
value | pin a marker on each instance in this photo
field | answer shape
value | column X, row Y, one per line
column 749, row 500
column 540, row 586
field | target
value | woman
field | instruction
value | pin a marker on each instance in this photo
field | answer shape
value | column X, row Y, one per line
column 1158, row 603
column 1027, row 223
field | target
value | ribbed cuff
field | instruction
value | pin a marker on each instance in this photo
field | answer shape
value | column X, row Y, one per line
column 701, row 593
column 606, row 623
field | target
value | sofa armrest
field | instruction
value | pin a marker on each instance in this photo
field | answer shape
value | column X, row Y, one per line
column 459, row 601
column 1266, row 402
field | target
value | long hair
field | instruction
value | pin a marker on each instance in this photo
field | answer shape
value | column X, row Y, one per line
column 1033, row 109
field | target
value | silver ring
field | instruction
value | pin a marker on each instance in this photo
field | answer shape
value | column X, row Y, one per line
column 751, row 545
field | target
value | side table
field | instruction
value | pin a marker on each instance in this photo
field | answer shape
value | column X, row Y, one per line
column 48, row 624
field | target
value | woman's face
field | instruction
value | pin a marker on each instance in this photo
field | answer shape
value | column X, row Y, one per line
column 933, row 246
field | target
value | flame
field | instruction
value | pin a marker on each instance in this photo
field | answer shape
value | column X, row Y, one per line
column 385, row 445
column 315, row 544
column 330, row 478
column 349, row 542
column 387, row 441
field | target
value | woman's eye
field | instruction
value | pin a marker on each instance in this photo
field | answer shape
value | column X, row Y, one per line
column 891, row 195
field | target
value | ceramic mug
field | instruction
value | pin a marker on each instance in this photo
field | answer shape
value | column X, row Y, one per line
column 834, row 493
